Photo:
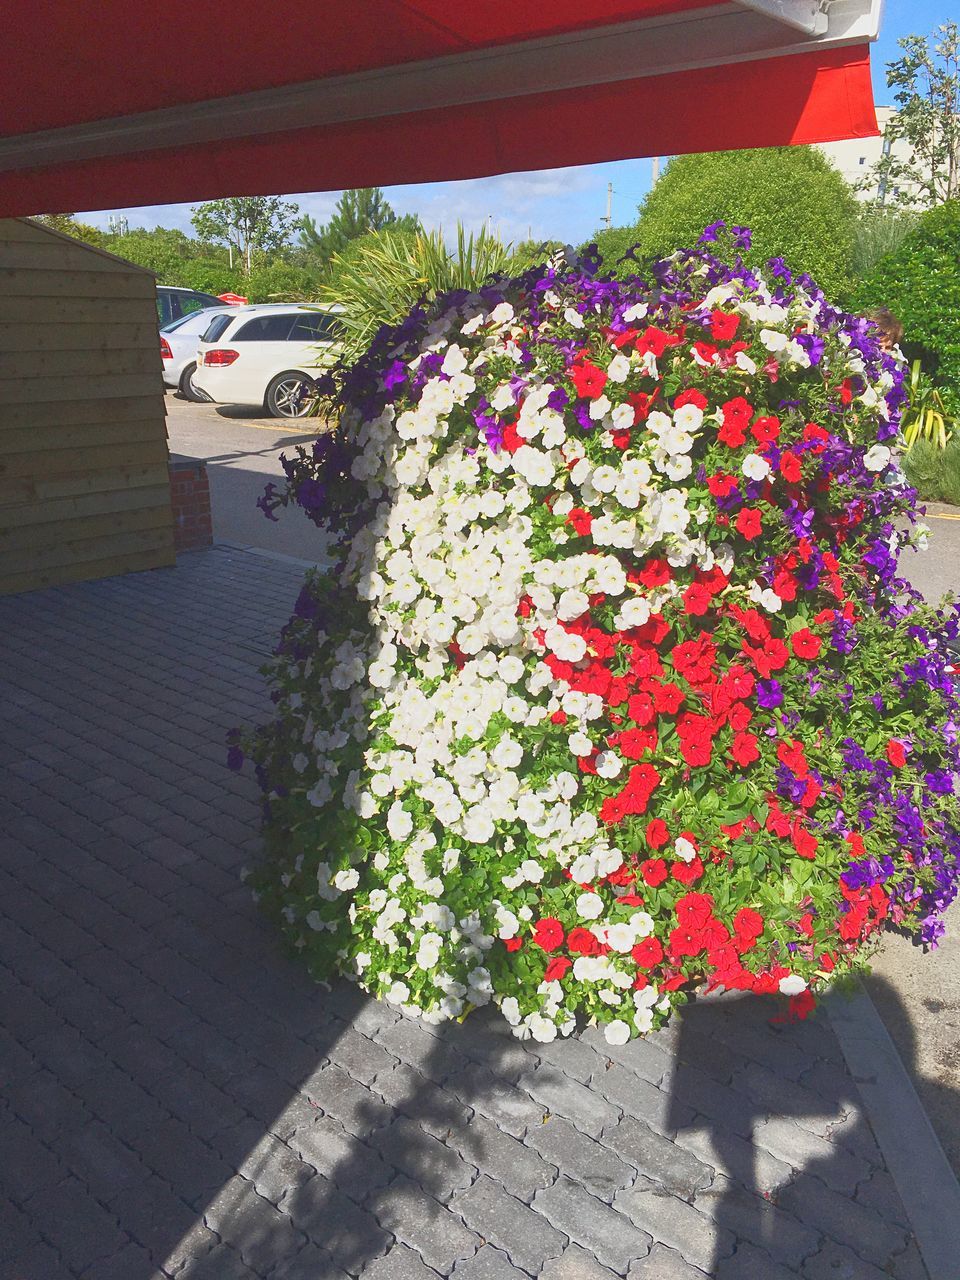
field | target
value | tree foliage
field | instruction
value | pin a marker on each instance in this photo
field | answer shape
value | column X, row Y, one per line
column 880, row 230
column 920, row 283
column 358, row 213
column 67, row 224
column 927, row 83
column 796, row 203
column 247, row 223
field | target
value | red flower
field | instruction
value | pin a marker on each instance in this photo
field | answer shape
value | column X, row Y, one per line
column 655, row 573
column 765, row 430
column 805, row 644
column 732, row 433
column 655, row 340
column 721, row 484
column 687, row 872
column 556, row 968
column 668, row 698
column 896, row 753
column 512, row 440
column 802, row 1005
column 697, row 599
column 657, row 833
column 748, row 924
column 583, row 942
column 647, row 953
column 749, row 523
column 685, row 942
column 642, row 402
column 653, row 871
column 791, row 754
column 805, row 844
column 588, row 379
column 744, row 749
column 723, row 327
column 581, row 520
column 818, row 434
column 690, row 396
column 513, row 944
column 790, row 467
column 548, row 933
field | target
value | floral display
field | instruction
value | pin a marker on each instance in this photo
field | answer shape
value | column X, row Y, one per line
column 612, row 692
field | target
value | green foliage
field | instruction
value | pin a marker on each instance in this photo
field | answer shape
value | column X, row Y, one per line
column 935, row 472
column 279, row 281
column 880, row 230
column 927, row 83
column 67, row 224
column 920, row 283
column 358, row 214
column 247, row 223
column 614, row 243
column 393, row 270
column 927, row 417
column 531, row 253
column 796, row 204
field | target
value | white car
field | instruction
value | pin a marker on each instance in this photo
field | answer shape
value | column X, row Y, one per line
column 178, row 350
column 267, row 355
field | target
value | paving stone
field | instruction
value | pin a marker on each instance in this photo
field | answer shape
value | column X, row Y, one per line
column 603, row 1232
column 790, row 1098
column 574, row 1055
column 362, row 1057
column 436, row 1167
column 156, row 1217
column 575, row 1264
column 499, row 1101
column 221, row 1263
column 642, row 1056
column 311, row 1263
column 747, row 1262
column 671, row 1221
column 591, row 1163
column 561, row 1095
column 736, row 1157
column 76, row 1224
column 839, row 1169
column 724, row 1106
column 435, row 1109
column 526, row 1238
column 400, row 1263
column 274, row 1169
column 520, row 1170
column 663, row 1263
column 879, row 1192
column 656, row 1107
column 658, row 1158
column 130, row 1261
column 837, row 1262
column 787, row 1239
column 350, row 1235
column 251, row 1225
column 37, row 1261
column 909, row 1265
column 355, row 1107
column 26, row 1165
column 422, row 1223
column 844, row 1220
column 488, row 1263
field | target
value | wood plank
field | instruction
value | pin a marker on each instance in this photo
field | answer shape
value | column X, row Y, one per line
column 56, row 335
column 47, row 488
column 93, row 362
column 20, row 230
column 66, row 532
column 43, row 440
column 84, row 504
column 94, row 283
column 81, row 550
column 80, row 387
column 84, row 409
column 30, row 309
column 54, row 254
column 159, row 557
column 94, row 457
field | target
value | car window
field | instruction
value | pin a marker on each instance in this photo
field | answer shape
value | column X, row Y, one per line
column 178, row 323
column 216, row 328
column 313, row 326
column 264, row 329
column 164, row 309
column 190, row 302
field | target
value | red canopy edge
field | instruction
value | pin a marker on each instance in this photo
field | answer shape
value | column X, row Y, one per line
column 817, row 96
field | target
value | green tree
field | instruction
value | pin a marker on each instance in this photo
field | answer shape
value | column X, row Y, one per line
column 68, row 225
column 246, row 224
column 920, row 283
column 531, row 253
column 796, row 203
column 880, row 230
column 927, row 83
column 358, row 213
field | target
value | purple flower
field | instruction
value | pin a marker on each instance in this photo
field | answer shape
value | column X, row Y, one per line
column 769, row 694
column 710, row 233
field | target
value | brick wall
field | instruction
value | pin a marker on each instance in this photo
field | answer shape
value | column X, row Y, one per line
column 190, row 500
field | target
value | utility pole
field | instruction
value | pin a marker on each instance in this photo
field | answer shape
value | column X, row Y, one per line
column 608, row 216
column 655, row 170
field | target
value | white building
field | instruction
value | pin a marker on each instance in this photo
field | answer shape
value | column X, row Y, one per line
column 856, row 157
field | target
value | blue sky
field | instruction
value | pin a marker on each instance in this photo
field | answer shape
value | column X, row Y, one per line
column 566, row 204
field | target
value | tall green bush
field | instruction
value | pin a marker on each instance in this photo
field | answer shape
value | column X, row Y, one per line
column 796, row 203
column 920, row 283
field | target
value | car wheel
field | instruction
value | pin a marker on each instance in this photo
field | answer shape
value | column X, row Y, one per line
column 189, row 389
column 290, row 395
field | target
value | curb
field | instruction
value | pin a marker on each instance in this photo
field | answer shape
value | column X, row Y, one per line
column 927, row 1184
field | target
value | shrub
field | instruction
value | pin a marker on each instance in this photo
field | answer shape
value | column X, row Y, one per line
column 920, row 283
column 935, row 473
column 612, row 691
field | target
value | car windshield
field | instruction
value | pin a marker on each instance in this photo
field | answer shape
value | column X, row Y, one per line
column 216, row 328
column 180, row 320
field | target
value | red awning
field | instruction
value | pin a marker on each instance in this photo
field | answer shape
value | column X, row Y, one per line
column 158, row 103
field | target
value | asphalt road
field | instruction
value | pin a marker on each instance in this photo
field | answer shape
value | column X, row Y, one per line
column 918, row 994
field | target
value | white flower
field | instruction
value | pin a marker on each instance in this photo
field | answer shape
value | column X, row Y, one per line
column 347, row 879
column 510, row 1010
column 754, row 467
column 688, row 418
column 684, row 850
column 573, row 317
column 579, row 744
column 792, row 985
column 531, row 871
column 618, row 370
column 502, row 313
column 542, row 1029
column 616, row 1032
column 398, row 993
column 620, row 937
column 604, row 479
column 589, row 906
column 877, row 457
column 454, row 361
column 399, row 821
column 773, row 340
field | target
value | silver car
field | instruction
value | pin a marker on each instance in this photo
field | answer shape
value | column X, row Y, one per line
column 179, row 340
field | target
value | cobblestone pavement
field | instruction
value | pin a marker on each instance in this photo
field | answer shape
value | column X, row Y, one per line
column 179, row 1100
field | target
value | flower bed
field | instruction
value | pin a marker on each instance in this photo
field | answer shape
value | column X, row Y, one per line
column 612, row 692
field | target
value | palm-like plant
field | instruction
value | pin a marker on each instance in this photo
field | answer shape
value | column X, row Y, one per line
column 927, row 417
column 393, row 273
